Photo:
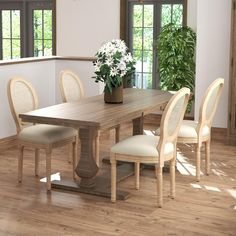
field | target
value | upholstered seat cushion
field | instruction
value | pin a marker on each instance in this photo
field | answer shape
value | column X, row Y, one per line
column 188, row 129
column 141, row 145
column 46, row 134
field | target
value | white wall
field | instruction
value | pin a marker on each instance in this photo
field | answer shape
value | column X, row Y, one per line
column 213, row 47
column 83, row 25
column 192, row 14
column 85, row 71
column 42, row 77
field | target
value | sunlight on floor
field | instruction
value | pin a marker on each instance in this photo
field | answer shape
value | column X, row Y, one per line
column 56, row 176
column 196, row 186
column 232, row 192
column 184, row 167
column 209, row 188
column 219, row 172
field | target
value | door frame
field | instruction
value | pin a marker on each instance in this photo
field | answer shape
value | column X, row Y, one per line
column 231, row 129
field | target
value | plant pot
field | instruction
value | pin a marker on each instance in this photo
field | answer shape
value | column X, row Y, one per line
column 115, row 97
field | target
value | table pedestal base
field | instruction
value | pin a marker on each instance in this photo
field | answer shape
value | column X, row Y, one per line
column 102, row 183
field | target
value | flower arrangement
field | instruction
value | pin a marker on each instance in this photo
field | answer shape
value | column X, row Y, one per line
column 113, row 63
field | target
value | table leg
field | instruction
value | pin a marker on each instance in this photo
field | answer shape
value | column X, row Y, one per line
column 87, row 168
column 138, row 126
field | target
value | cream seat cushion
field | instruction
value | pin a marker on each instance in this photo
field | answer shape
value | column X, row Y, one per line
column 46, row 134
column 188, row 129
column 141, row 145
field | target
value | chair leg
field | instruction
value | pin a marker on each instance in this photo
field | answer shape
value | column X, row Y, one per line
column 113, row 178
column 36, row 171
column 208, row 164
column 70, row 151
column 137, row 174
column 117, row 133
column 172, row 178
column 97, row 149
column 20, row 163
column 198, row 162
column 48, row 168
column 159, row 185
column 74, row 158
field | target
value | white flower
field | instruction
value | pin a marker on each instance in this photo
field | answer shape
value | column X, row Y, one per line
column 116, row 59
column 128, row 57
column 122, row 66
column 109, row 61
column 113, row 71
column 97, row 66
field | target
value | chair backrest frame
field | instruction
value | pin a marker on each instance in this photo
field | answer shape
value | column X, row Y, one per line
column 63, row 88
column 10, row 93
column 203, row 119
column 165, row 137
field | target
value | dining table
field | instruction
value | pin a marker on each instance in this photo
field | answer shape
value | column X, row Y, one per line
column 90, row 115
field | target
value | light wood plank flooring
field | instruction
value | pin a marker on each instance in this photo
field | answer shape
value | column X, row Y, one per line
column 205, row 208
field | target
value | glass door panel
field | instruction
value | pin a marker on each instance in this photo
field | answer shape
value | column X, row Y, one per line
column 42, row 32
column 142, row 43
column 145, row 21
column 11, row 39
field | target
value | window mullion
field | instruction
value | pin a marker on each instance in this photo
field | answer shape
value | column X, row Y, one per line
column 1, row 49
column 142, row 43
column 11, row 32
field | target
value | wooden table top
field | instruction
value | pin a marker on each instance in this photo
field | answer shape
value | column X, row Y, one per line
column 94, row 112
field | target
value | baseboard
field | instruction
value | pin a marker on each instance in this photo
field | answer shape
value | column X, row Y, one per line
column 219, row 131
column 8, row 142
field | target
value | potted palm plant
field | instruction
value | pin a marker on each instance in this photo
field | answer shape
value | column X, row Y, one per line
column 113, row 63
column 176, row 58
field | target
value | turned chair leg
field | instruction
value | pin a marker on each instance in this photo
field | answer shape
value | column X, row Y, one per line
column 113, row 178
column 70, row 151
column 137, row 174
column 48, row 168
column 20, row 163
column 172, row 178
column 208, row 164
column 36, row 170
column 97, row 158
column 159, row 186
column 74, row 158
column 198, row 162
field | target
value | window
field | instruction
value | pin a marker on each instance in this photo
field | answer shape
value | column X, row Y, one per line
column 27, row 28
column 140, row 29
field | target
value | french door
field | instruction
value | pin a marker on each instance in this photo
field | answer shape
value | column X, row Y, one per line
column 144, row 22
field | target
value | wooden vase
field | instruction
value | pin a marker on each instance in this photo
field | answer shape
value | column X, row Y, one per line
column 115, row 97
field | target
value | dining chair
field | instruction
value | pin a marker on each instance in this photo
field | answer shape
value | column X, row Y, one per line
column 71, row 86
column 153, row 149
column 199, row 132
column 23, row 98
column 72, row 89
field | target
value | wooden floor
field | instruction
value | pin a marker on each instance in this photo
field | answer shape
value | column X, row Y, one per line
column 205, row 208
